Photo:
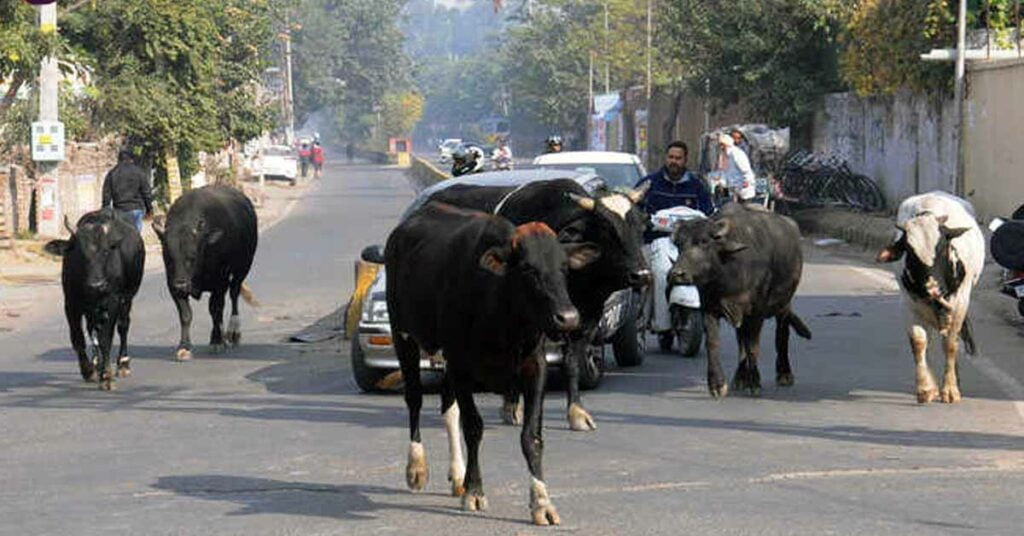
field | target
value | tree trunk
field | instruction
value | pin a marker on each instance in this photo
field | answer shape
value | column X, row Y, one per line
column 12, row 92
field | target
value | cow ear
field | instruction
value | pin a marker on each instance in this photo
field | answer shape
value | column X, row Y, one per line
column 891, row 253
column 495, row 260
column 158, row 227
column 214, row 236
column 57, row 247
column 580, row 255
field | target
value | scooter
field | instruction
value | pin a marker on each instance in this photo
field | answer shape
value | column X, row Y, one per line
column 675, row 310
column 1007, row 246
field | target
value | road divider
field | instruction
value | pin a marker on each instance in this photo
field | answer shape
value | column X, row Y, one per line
column 422, row 174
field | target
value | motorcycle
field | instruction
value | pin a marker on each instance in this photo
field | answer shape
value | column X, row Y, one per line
column 1007, row 246
column 675, row 313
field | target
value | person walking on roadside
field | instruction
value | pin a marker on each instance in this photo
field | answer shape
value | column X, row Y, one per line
column 126, row 189
column 317, row 156
column 350, row 152
column 738, row 174
column 305, row 154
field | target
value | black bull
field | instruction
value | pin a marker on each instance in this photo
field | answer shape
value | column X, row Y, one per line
column 484, row 292
column 209, row 240
column 101, row 273
column 746, row 262
column 611, row 221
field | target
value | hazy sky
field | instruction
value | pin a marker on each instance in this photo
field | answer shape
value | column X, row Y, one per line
column 455, row 3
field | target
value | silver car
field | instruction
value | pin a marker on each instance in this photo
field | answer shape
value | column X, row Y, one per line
column 373, row 355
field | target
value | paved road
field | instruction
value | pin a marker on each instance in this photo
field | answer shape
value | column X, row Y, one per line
column 273, row 438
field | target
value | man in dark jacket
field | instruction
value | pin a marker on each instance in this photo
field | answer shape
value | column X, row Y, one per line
column 673, row 185
column 126, row 188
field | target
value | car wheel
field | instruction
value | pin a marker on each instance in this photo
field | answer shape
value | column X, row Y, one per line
column 592, row 367
column 366, row 377
column 628, row 344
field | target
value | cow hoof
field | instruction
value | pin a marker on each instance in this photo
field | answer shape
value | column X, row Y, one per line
column 123, row 372
column 87, row 373
column 925, row 396
column 580, row 420
column 474, row 502
column 233, row 338
column 416, row 474
column 458, row 487
column 718, row 392
column 217, row 348
column 184, row 354
column 546, row 515
column 107, row 384
column 512, row 413
column 784, row 380
column 950, row 394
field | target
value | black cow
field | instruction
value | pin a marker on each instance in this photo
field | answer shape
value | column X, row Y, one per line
column 101, row 273
column 209, row 240
column 484, row 292
column 746, row 262
column 611, row 221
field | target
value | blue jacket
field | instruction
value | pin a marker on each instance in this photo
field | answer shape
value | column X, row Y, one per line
column 689, row 191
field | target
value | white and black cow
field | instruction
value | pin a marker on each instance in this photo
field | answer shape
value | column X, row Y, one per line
column 484, row 292
column 945, row 254
column 209, row 240
column 609, row 220
column 746, row 263
column 102, row 270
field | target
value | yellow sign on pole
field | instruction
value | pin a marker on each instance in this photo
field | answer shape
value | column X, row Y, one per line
column 173, row 177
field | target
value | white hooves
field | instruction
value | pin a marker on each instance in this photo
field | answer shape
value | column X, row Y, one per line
column 474, row 503
column 416, row 468
column 580, row 420
column 950, row 394
column 184, row 354
column 541, row 508
column 458, row 487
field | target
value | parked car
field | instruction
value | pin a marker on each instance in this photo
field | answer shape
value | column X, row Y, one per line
column 373, row 356
column 620, row 171
column 279, row 162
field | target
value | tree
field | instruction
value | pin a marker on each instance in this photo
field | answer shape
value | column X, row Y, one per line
column 22, row 47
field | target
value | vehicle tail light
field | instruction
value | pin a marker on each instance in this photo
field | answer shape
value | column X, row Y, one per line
column 380, row 340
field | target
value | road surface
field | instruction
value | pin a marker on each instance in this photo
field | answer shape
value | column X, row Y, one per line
column 273, row 437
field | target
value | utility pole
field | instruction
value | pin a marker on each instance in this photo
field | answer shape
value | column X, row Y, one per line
column 607, row 63
column 48, row 134
column 650, row 28
column 289, row 97
column 958, row 95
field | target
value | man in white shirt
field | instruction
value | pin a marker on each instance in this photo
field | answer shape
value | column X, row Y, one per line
column 739, row 176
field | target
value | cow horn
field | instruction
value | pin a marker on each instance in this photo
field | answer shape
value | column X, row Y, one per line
column 586, row 202
column 638, row 194
column 67, row 225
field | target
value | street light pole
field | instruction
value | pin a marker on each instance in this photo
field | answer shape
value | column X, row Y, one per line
column 607, row 63
column 48, row 205
column 958, row 96
column 289, row 132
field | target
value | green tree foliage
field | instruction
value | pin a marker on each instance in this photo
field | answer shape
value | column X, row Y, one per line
column 22, row 46
column 885, row 38
column 348, row 54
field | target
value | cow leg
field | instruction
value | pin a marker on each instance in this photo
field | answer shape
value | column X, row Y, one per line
column 712, row 343
column 473, row 426
column 457, row 463
column 580, row 419
column 234, row 332
column 217, row 315
column 416, row 474
column 74, row 316
column 926, row 389
column 124, row 363
column 783, row 372
column 511, row 409
column 748, row 377
column 950, row 382
column 184, row 352
column 105, row 328
column 533, row 375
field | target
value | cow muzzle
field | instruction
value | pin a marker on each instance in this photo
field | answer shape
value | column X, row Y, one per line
column 640, row 278
column 99, row 286
column 566, row 319
column 182, row 287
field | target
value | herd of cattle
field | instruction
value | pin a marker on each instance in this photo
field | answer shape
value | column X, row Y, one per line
column 482, row 274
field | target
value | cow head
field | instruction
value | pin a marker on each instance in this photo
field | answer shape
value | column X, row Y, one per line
column 184, row 246
column 536, row 264
column 703, row 246
column 931, row 270
column 617, row 225
column 95, row 242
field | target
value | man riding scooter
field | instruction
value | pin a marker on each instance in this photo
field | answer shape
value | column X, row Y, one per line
column 675, row 194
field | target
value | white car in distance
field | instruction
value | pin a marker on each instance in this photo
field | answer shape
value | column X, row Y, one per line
column 279, row 162
column 620, row 171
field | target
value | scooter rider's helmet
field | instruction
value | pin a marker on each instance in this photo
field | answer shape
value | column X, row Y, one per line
column 467, row 159
column 553, row 143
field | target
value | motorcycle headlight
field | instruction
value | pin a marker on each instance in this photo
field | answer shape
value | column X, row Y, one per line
column 375, row 310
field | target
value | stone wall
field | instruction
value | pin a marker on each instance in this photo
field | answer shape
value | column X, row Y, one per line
column 81, row 176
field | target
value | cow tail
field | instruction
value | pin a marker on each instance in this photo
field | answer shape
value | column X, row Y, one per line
column 798, row 325
column 248, row 296
column 967, row 335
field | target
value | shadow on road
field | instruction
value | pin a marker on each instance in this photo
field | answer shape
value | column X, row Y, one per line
column 266, row 496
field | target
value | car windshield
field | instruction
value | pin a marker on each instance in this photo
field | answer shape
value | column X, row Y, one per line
column 278, row 151
column 616, row 176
